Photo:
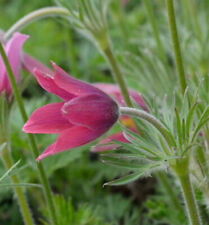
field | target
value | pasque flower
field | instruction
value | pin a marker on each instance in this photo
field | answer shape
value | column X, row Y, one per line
column 29, row 63
column 114, row 91
column 85, row 113
column 13, row 51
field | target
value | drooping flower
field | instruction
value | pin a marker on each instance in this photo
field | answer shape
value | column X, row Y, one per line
column 13, row 51
column 29, row 63
column 86, row 113
column 114, row 91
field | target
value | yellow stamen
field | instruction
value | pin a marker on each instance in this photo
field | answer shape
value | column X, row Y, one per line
column 128, row 122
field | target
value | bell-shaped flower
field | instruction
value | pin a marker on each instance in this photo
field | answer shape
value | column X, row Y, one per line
column 13, row 51
column 114, row 91
column 85, row 114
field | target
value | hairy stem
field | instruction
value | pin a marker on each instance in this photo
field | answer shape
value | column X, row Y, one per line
column 190, row 201
column 33, row 16
column 21, row 198
column 42, row 173
column 176, row 45
column 117, row 74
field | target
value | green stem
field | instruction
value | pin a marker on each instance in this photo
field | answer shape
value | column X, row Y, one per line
column 176, row 45
column 33, row 16
column 162, row 178
column 42, row 173
column 117, row 74
column 191, row 204
column 155, row 30
column 24, row 207
column 104, row 44
column 169, row 190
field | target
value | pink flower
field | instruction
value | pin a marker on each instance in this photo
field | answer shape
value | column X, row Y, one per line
column 13, row 51
column 114, row 91
column 85, row 113
column 107, row 143
column 29, row 63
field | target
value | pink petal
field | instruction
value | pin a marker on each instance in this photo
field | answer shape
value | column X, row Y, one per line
column 47, row 82
column 30, row 63
column 114, row 91
column 71, row 138
column 106, row 144
column 72, row 85
column 13, row 51
column 47, row 119
column 137, row 97
column 44, row 76
column 47, row 152
column 92, row 111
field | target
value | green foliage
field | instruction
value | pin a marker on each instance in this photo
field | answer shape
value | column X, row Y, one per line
column 84, row 215
column 152, row 150
column 115, row 208
column 162, row 212
column 9, row 213
column 10, row 171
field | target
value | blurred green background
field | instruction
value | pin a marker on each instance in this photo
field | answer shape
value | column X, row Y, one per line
column 77, row 176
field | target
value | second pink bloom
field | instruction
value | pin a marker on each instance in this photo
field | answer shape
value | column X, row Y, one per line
column 13, row 51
